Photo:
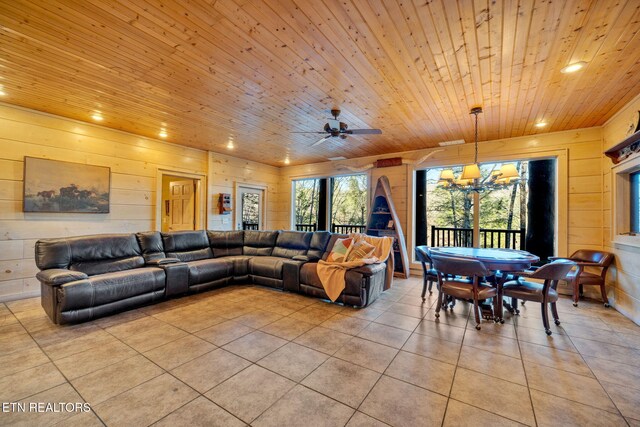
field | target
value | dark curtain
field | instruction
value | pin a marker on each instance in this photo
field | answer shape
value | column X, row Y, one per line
column 541, row 208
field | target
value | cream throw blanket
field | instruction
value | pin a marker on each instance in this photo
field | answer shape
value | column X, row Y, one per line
column 332, row 274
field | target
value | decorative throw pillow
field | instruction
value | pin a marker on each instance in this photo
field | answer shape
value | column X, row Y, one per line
column 361, row 250
column 340, row 250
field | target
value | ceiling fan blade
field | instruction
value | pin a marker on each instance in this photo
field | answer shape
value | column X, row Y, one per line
column 320, row 141
column 307, row 132
column 363, row 131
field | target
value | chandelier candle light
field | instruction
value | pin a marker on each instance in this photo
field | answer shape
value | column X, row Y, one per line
column 470, row 178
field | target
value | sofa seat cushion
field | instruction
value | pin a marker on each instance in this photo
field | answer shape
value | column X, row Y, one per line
column 209, row 270
column 266, row 266
column 353, row 277
column 110, row 287
column 240, row 264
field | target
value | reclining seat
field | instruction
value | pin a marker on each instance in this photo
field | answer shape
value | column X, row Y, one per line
column 363, row 284
column 192, row 247
column 272, row 253
column 229, row 244
column 86, row 277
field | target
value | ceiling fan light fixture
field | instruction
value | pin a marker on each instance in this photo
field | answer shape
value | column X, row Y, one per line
column 335, row 128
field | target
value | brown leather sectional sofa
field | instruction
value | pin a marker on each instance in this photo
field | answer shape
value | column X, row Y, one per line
column 86, row 277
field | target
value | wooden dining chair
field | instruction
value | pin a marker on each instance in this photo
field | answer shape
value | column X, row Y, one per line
column 543, row 293
column 449, row 270
column 429, row 274
column 579, row 277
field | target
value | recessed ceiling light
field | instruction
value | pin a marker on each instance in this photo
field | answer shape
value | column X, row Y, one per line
column 230, row 145
column 540, row 124
column 287, row 161
column 337, row 158
column 572, row 68
column 97, row 116
column 454, row 142
column 163, row 133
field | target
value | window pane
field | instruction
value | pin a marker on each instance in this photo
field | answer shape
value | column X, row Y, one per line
column 635, row 202
column 307, row 202
column 250, row 211
column 348, row 203
column 447, row 213
column 504, row 209
column 447, row 209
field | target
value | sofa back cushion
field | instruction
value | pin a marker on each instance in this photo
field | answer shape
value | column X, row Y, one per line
column 332, row 241
column 91, row 255
column 318, row 244
column 187, row 245
column 151, row 245
column 226, row 243
column 292, row 243
column 259, row 242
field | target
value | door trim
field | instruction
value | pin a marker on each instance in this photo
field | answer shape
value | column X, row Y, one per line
column 253, row 186
column 200, row 196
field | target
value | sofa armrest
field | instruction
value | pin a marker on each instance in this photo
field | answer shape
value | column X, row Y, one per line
column 370, row 269
column 176, row 276
column 291, row 274
column 161, row 261
column 59, row 276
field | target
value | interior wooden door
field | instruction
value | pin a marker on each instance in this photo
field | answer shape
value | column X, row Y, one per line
column 182, row 205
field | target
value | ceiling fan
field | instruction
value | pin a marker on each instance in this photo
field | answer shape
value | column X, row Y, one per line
column 334, row 128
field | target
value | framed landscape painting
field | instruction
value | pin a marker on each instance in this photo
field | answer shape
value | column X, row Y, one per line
column 56, row 186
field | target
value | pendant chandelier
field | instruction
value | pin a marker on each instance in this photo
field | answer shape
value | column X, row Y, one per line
column 470, row 178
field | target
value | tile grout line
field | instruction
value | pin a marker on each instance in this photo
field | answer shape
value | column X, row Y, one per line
column 67, row 381
column 455, row 370
column 597, row 380
column 526, row 377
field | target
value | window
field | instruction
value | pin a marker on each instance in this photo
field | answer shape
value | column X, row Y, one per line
column 625, row 215
column 634, row 179
column 338, row 204
column 446, row 218
column 307, row 204
column 349, row 203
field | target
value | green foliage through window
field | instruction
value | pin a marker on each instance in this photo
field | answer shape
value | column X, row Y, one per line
column 504, row 209
column 349, row 200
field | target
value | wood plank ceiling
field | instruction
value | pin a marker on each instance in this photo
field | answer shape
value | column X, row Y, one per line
column 255, row 70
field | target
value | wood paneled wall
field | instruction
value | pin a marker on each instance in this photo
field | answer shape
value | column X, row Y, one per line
column 583, row 173
column 580, row 195
column 624, row 278
column 133, row 161
column 225, row 172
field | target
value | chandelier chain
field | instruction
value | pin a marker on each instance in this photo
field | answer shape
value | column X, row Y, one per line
column 476, row 140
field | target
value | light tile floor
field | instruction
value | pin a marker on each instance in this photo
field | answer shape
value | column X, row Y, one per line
column 251, row 355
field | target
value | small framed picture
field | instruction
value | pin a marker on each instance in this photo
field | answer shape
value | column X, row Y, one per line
column 390, row 224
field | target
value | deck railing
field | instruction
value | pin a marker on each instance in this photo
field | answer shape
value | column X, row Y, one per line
column 306, row 227
column 347, row 228
column 335, row 228
column 250, row 225
column 489, row 238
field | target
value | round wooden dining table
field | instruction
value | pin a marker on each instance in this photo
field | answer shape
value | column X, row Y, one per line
column 497, row 260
